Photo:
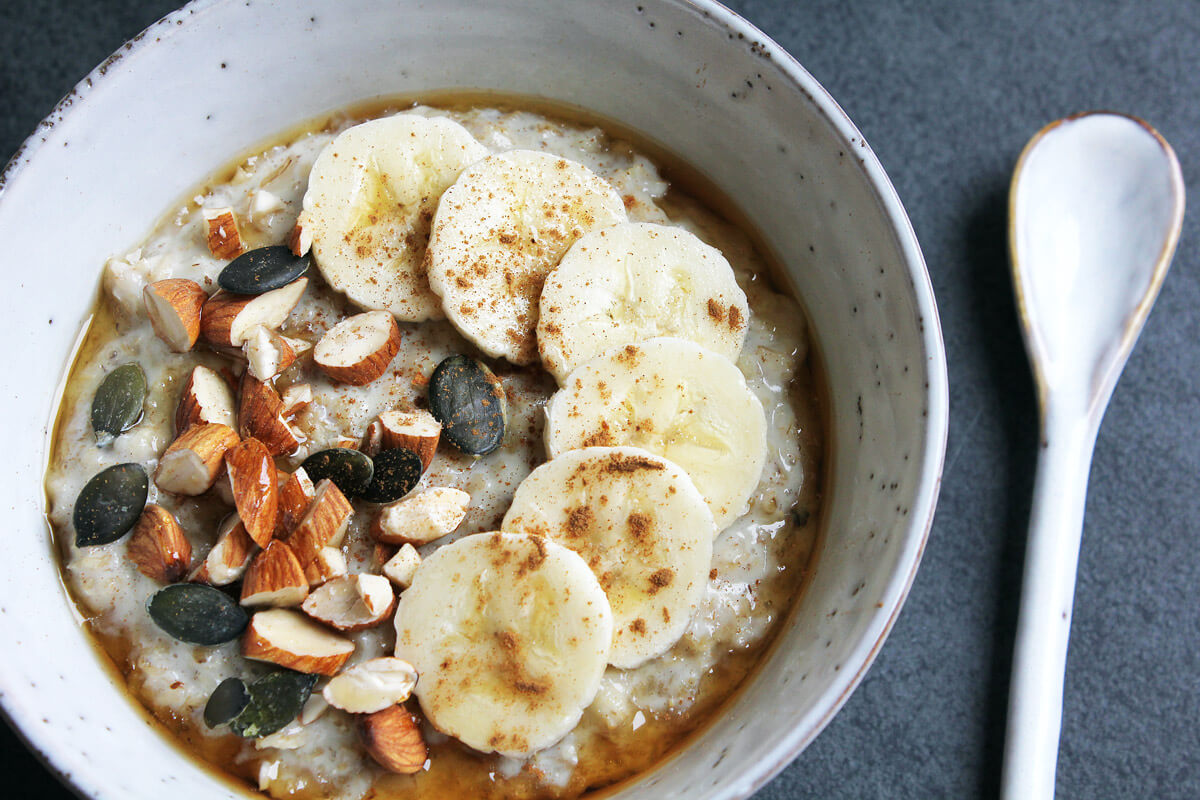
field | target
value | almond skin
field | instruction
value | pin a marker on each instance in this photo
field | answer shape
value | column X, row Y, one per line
column 291, row 640
column 227, row 318
column 260, row 416
column 173, row 306
column 274, row 578
column 193, row 461
column 255, row 488
column 393, row 738
column 299, row 240
column 224, row 238
column 417, row 430
column 206, row 397
column 323, row 524
column 158, row 546
column 296, row 492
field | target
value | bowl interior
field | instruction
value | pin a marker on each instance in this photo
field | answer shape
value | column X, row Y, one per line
column 217, row 77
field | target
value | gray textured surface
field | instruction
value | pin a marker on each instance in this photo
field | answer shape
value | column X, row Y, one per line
column 947, row 93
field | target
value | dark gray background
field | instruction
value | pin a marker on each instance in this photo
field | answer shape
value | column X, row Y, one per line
column 946, row 93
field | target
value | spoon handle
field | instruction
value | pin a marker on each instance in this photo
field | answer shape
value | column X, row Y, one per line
column 1047, row 594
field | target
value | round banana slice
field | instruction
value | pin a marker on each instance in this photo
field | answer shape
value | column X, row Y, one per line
column 499, row 230
column 370, row 200
column 510, row 634
column 677, row 400
column 633, row 282
column 641, row 525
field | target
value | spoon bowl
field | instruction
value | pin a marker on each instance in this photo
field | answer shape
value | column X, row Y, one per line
column 1095, row 211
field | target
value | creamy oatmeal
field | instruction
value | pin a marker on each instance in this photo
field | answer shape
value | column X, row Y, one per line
column 338, row 392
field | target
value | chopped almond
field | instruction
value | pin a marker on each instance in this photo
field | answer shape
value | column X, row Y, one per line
column 393, row 738
column 229, row 557
column 255, row 488
column 352, row 603
column 423, row 517
column 227, row 318
column 264, row 204
column 224, row 238
column 417, row 430
column 267, row 353
column 296, row 492
column 260, row 416
column 372, row 441
column 359, row 348
column 401, row 567
column 191, row 464
column 158, row 546
column 274, row 578
column 299, row 240
column 324, row 524
column 295, row 399
column 284, row 637
column 314, row 707
column 206, row 397
column 173, row 306
column 328, row 564
column 371, row 686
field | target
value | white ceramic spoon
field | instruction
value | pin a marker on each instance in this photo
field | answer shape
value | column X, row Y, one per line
column 1095, row 210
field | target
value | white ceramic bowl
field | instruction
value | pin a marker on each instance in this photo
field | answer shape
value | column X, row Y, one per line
column 217, row 77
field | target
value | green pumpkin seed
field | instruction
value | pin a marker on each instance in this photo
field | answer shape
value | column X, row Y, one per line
column 468, row 399
column 350, row 469
column 275, row 700
column 396, row 473
column 117, row 404
column 109, row 504
column 228, row 700
column 198, row 614
column 261, row 270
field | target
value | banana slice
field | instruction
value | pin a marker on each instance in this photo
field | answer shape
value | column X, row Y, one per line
column 499, row 230
column 641, row 525
column 510, row 634
column 677, row 400
column 633, row 282
column 370, row 200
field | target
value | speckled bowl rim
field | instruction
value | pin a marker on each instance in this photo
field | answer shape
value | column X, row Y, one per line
column 86, row 779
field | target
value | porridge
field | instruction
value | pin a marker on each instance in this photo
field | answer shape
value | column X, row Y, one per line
column 438, row 450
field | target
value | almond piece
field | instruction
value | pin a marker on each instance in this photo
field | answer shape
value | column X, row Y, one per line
column 206, row 397
column 296, row 492
column 260, row 416
column 352, row 603
column 224, row 238
column 229, row 557
column 193, row 461
column 401, row 567
column 255, row 488
column 417, row 430
column 359, row 348
column 173, row 307
column 371, row 686
column 267, row 353
column 299, row 346
column 274, row 578
column 423, row 517
column 282, row 636
column 314, row 707
column 299, row 239
column 323, row 524
column 393, row 738
column 329, row 563
column 264, row 204
column 158, row 546
column 295, row 399
column 372, row 441
column 227, row 318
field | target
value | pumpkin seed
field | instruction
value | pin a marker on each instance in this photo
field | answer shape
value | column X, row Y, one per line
column 468, row 399
column 117, row 404
column 350, row 469
column 396, row 473
column 275, row 700
column 261, row 270
column 228, row 700
column 109, row 504
column 197, row 614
